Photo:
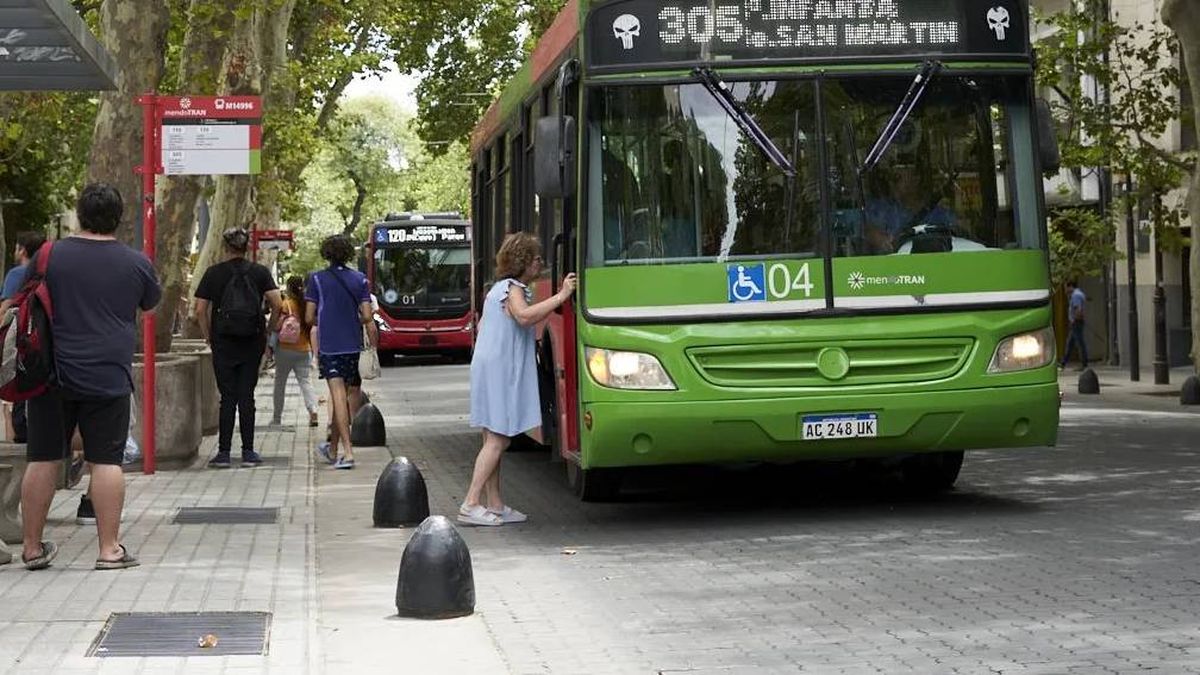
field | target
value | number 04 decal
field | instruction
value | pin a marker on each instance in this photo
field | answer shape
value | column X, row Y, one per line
column 782, row 284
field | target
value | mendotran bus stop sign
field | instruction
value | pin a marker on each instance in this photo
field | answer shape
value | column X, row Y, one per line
column 46, row 46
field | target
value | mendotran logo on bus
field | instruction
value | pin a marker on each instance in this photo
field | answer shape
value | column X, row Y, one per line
column 858, row 280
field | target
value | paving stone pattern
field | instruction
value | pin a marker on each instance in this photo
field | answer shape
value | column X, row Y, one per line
column 1082, row 558
column 1079, row 559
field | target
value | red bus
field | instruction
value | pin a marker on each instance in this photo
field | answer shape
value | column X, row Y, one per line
column 419, row 268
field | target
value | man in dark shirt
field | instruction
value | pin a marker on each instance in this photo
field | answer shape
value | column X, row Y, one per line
column 97, row 285
column 237, row 349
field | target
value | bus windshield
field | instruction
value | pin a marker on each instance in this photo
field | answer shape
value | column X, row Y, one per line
column 672, row 178
column 423, row 281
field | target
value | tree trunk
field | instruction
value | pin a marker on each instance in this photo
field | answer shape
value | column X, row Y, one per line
column 1183, row 17
column 256, row 52
column 178, row 196
column 135, row 34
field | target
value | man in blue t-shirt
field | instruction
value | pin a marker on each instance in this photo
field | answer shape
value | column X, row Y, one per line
column 1075, row 314
column 339, row 306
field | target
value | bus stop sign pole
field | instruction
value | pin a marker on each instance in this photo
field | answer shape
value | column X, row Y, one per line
column 150, row 168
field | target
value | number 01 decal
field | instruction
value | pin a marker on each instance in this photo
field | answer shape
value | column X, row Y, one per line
column 782, row 284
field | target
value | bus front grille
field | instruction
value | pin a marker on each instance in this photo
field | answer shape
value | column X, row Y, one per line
column 850, row 363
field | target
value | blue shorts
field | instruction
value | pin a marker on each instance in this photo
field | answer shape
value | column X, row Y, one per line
column 340, row 367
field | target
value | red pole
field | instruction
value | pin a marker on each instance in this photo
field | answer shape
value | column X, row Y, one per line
column 151, row 157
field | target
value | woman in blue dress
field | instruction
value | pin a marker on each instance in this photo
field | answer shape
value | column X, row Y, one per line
column 504, row 382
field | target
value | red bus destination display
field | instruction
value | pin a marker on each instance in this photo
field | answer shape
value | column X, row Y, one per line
column 631, row 33
column 421, row 235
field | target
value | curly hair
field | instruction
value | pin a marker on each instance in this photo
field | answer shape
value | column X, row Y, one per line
column 338, row 250
column 516, row 254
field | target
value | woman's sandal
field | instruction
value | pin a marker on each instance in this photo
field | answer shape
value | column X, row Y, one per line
column 41, row 562
column 478, row 515
column 124, row 562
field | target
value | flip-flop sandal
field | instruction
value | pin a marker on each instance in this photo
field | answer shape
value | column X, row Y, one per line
column 125, row 561
column 41, row 562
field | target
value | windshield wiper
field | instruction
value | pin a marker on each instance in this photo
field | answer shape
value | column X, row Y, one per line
column 715, row 86
column 916, row 91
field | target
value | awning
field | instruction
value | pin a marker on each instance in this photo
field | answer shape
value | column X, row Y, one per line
column 46, row 46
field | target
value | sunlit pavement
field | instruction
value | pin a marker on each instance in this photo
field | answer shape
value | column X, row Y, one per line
column 1081, row 558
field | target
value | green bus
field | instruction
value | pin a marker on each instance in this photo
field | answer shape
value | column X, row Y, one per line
column 804, row 229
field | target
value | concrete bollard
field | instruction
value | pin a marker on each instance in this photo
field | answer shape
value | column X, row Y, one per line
column 1089, row 383
column 435, row 580
column 368, row 430
column 400, row 495
column 1189, row 394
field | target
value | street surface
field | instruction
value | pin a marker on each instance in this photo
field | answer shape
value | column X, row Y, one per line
column 1084, row 558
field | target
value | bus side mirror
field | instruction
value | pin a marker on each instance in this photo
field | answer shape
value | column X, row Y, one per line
column 554, row 157
column 1050, row 158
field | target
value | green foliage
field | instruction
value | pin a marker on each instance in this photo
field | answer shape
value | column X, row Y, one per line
column 1138, row 66
column 473, row 53
column 44, row 142
column 1081, row 244
column 372, row 145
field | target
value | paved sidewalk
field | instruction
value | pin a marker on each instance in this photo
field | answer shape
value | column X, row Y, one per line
column 50, row 618
column 1116, row 387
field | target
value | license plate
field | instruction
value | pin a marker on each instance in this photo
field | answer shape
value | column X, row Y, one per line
column 832, row 427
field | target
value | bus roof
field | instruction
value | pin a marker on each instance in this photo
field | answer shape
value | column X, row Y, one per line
column 440, row 216
column 557, row 40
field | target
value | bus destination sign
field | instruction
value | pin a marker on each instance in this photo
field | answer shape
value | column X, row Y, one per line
column 421, row 235
column 646, row 32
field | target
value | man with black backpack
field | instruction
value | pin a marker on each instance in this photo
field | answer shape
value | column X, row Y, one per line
column 229, row 308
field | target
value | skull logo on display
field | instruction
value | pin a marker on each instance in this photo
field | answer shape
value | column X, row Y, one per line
column 625, row 28
column 997, row 18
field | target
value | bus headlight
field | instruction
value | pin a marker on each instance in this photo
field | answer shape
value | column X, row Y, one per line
column 381, row 324
column 1023, row 352
column 627, row 370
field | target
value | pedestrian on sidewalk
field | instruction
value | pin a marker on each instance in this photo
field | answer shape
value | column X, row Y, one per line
column 339, row 304
column 97, row 285
column 229, row 309
column 504, row 382
column 28, row 244
column 294, row 353
column 1075, row 317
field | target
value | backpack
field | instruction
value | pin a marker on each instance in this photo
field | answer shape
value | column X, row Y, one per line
column 240, row 314
column 289, row 330
column 26, row 344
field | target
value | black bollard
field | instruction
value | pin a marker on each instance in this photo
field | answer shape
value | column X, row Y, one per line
column 367, row 430
column 435, row 581
column 1189, row 394
column 400, row 495
column 1088, row 382
column 363, row 399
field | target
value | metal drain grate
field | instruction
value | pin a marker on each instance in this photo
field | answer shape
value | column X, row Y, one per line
column 283, row 428
column 181, row 634
column 226, row 515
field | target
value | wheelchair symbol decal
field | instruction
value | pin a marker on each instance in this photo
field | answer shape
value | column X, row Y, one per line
column 747, row 283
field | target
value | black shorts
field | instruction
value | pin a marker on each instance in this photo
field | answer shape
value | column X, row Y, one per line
column 340, row 367
column 54, row 417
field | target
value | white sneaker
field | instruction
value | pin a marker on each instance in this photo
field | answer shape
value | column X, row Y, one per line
column 510, row 515
column 477, row 515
